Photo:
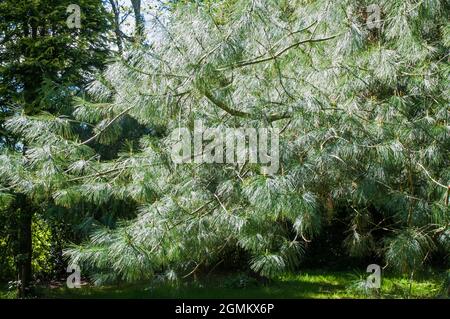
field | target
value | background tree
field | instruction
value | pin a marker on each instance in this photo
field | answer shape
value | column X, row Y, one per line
column 43, row 63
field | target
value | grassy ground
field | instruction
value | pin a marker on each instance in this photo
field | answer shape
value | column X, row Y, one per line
column 307, row 284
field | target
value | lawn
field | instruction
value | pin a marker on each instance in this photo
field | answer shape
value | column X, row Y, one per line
column 307, row 284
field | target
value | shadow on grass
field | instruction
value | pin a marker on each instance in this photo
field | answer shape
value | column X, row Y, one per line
column 295, row 288
column 306, row 284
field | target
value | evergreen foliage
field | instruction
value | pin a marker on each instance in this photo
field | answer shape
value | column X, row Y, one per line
column 364, row 119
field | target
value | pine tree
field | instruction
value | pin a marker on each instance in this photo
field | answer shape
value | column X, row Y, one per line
column 363, row 115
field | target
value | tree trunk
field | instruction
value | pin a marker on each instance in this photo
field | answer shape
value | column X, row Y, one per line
column 25, row 247
column 116, row 11
column 32, row 82
column 139, row 21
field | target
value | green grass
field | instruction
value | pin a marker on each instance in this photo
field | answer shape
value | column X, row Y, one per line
column 307, row 284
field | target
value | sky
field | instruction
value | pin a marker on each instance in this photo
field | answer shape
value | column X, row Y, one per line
column 150, row 9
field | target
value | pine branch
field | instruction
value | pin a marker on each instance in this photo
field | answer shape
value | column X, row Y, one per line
column 234, row 112
column 276, row 55
column 112, row 170
column 118, row 116
column 224, row 106
column 434, row 181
